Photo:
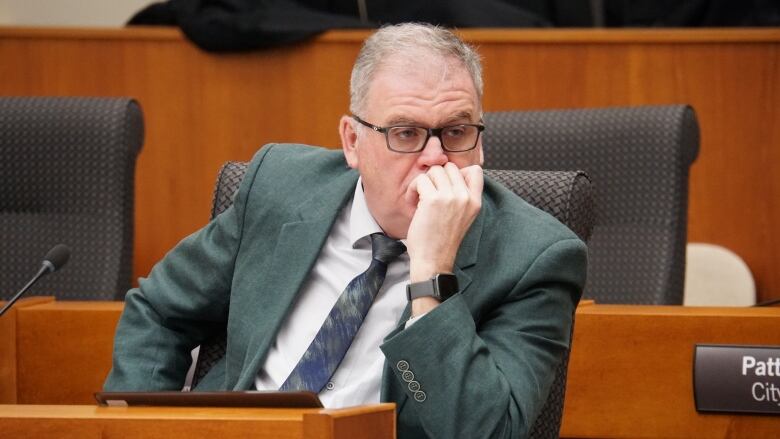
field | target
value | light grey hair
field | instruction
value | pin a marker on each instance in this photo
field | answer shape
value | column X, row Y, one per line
column 408, row 39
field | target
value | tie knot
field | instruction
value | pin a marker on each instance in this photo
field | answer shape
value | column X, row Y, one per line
column 385, row 248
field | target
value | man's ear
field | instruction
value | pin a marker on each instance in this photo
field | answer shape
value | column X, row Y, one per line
column 349, row 141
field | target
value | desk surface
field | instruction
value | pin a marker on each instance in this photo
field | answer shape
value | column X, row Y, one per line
column 79, row 421
column 630, row 372
column 678, row 311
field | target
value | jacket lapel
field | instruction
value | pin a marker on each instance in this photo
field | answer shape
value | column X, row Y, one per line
column 298, row 246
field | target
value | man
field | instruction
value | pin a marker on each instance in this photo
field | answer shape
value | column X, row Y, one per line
column 282, row 267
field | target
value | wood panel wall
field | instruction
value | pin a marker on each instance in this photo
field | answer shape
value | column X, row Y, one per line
column 203, row 109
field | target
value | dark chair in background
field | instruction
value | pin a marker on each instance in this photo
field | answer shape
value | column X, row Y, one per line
column 67, row 168
column 638, row 160
column 565, row 195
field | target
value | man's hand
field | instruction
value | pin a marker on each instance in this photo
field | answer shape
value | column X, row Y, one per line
column 449, row 200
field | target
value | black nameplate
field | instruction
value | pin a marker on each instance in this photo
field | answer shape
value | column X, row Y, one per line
column 743, row 379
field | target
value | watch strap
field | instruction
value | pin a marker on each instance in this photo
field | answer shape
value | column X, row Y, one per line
column 441, row 287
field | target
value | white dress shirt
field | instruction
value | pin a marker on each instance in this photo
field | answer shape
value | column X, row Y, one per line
column 346, row 254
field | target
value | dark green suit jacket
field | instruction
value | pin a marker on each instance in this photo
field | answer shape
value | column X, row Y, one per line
column 484, row 359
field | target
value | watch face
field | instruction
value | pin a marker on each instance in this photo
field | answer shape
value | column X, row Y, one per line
column 448, row 285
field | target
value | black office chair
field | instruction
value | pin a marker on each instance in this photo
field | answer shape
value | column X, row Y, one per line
column 638, row 160
column 565, row 195
column 67, row 169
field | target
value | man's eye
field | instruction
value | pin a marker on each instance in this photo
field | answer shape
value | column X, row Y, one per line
column 457, row 131
column 405, row 133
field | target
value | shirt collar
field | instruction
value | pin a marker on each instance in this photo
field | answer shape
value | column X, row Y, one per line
column 361, row 222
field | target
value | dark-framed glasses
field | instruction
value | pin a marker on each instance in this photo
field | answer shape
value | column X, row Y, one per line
column 408, row 139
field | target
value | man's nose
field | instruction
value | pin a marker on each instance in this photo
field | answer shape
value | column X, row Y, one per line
column 433, row 154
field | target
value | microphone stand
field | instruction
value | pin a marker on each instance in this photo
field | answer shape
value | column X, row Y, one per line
column 45, row 268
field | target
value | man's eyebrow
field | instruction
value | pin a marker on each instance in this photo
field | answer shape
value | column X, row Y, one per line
column 402, row 120
column 458, row 117
column 406, row 121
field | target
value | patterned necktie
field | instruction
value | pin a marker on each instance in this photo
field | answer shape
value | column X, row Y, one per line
column 335, row 336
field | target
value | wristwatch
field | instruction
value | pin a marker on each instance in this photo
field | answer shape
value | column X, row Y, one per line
column 441, row 286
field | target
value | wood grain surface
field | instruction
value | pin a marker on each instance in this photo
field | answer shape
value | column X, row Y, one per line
column 85, row 421
column 64, row 350
column 630, row 372
column 9, row 368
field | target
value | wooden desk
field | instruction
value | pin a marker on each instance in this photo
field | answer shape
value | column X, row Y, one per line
column 64, row 350
column 8, row 355
column 80, row 421
column 631, row 371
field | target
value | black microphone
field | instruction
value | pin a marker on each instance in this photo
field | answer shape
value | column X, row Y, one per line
column 54, row 260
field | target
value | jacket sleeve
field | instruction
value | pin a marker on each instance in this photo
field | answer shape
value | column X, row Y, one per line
column 491, row 377
column 183, row 301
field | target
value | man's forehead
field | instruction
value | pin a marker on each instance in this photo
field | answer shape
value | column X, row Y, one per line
column 430, row 77
column 420, row 61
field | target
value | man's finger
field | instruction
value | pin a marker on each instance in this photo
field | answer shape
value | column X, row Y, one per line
column 456, row 178
column 474, row 179
column 425, row 186
column 439, row 178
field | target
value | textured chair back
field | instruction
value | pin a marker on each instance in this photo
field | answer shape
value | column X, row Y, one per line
column 638, row 160
column 565, row 195
column 67, row 169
